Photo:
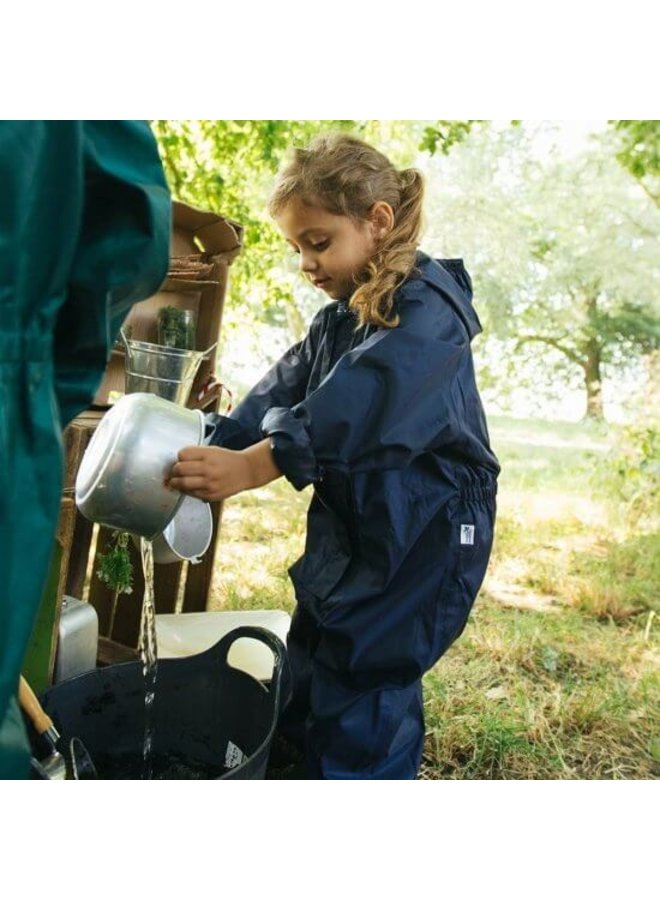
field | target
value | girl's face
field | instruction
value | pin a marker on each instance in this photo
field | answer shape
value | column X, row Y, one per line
column 332, row 248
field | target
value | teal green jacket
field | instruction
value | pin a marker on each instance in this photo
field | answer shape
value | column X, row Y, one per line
column 84, row 234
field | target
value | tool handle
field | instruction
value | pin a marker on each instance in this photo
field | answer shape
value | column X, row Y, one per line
column 28, row 700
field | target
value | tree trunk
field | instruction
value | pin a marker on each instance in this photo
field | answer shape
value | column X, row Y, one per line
column 295, row 321
column 593, row 382
column 652, row 390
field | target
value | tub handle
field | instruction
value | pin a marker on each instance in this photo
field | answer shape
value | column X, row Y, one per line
column 280, row 685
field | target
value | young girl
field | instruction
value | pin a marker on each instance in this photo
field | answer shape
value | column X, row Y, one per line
column 377, row 408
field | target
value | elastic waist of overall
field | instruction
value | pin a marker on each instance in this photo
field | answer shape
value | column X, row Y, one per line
column 483, row 488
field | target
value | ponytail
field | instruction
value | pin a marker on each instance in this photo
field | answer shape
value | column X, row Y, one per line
column 394, row 260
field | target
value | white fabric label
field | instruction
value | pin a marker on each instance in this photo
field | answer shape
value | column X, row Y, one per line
column 467, row 534
column 234, row 756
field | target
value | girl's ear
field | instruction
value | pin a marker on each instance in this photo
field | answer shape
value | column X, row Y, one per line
column 381, row 216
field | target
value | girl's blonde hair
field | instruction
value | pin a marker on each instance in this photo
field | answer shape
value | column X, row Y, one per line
column 346, row 177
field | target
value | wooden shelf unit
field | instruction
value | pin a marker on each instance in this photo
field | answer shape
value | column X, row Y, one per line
column 217, row 241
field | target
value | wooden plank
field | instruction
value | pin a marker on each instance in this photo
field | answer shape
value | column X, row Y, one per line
column 184, row 285
column 39, row 660
column 76, row 440
column 100, row 595
column 129, row 606
column 110, row 652
column 167, row 579
column 65, row 529
column 65, row 533
column 209, row 322
column 88, row 419
column 79, row 557
column 37, row 665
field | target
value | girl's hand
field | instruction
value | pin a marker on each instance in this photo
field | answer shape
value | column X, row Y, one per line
column 214, row 473
column 210, row 473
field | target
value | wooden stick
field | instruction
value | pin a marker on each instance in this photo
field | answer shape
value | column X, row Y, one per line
column 28, row 700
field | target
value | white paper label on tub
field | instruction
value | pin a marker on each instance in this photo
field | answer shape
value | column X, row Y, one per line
column 234, row 756
column 467, row 534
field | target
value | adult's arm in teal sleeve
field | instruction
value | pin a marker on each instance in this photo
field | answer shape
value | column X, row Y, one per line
column 121, row 257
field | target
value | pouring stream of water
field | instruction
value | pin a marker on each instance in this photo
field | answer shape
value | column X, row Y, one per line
column 148, row 654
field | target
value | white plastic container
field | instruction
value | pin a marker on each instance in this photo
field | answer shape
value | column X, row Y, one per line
column 189, row 633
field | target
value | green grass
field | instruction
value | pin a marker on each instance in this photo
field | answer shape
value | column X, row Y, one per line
column 528, row 694
column 556, row 674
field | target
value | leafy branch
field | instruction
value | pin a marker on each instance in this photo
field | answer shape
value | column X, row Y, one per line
column 115, row 567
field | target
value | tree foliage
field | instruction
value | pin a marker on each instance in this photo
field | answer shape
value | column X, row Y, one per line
column 444, row 134
column 563, row 253
column 639, row 152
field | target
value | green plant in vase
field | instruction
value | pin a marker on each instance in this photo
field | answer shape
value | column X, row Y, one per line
column 176, row 327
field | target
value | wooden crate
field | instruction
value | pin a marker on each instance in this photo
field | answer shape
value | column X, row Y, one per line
column 215, row 242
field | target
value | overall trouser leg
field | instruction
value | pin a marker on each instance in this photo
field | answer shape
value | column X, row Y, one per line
column 366, row 735
column 345, row 730
column 357, row 662
column 302, row 640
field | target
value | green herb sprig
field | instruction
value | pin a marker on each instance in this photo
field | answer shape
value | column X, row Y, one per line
column 115, row 567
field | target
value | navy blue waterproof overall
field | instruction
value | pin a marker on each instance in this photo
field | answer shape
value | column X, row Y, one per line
column 389, row 427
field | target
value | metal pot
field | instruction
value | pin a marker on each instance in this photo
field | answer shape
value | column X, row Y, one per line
column 121, row 477
column 187, row 536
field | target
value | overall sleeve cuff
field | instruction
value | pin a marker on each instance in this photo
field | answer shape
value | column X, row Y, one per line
column 221, row 431
column 291, row 446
